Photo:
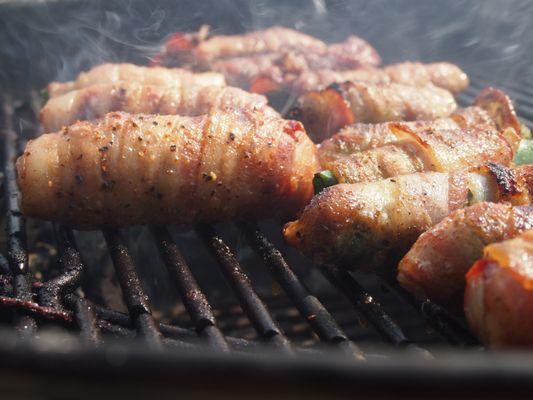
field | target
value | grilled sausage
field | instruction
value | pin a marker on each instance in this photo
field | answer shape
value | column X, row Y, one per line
column 325, row 112
column 492, row 108
column 364, row 224
column 114, row 73
column 424, row 151
column 126, row 169
column 499, row 293
column 188, row 100
column 436, row 265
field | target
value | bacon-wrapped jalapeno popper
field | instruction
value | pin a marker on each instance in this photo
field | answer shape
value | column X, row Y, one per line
column 114, row 73
column 427, row 150
column 366, row 224
column 325, row 112
column 134, row 169
column 436, row 265
column 137, row 98
column 498, row 300
column 492, row 108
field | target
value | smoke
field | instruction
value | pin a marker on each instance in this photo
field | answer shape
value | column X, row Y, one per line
column 42, row 41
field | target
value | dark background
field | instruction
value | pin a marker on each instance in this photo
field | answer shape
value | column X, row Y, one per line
column 44, row 40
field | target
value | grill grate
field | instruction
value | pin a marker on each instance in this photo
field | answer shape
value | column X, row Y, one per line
column 58, row 300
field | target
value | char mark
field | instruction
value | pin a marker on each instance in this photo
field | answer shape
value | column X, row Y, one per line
column 505, row 179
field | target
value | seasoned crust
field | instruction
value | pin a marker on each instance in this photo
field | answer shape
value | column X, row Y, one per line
column 131, row 169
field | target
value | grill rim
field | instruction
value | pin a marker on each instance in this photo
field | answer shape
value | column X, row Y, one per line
column 452, row 372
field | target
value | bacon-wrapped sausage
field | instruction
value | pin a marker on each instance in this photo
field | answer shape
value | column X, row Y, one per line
column 424, row 151
column 114, row 73
column 441, row 74
column 436, row 265
column 499, row 293
column 97, row 100
column 201, row 52
column 131, row 169
column 291, row 72
column 296, row 73
column 365, row 224
column 325, row 112
column 492, row 108
column 360, row 137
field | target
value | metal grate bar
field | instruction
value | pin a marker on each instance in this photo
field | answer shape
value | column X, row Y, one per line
column 30, row 309
column 372, row 310
column 193, row 298
column 134, row 295
column 436, row 316
column 70, row 260
column 73, row 268
column 17, row 255
column 87, row 322
column 252, row 305
column 308, row 305
column 120, row 323
column 4, row 265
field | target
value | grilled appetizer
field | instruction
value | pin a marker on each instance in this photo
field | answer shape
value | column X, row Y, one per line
column 135, row 169
column 114, row 73
column 325, row 112
column 424, row 151
column 436, row 265
column 97, row 100
column 491, row 109
column 201, row 52
column 364, row 225
column 499, row 293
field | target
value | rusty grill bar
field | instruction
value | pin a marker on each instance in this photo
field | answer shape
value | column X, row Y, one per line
column 57, row 300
